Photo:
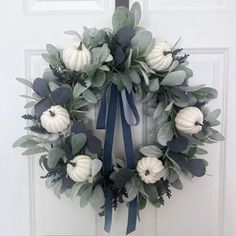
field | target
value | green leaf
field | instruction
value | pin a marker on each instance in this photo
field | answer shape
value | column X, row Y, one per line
column 165, row 134
column 136, row 11
column 142, row 201
column 29, row 143
column 29, row 104
column 172, row 175
column 177, row 184
column 25, row 82
column 89, row 96
column 119, row 19
column 100, row 54
column 100, row 38
column 54, row 155
column 133, row 75
column 154, row 85
column 213, row 115
column 34, row 150
column 96, row 166
column 201, row 151
column 118, row 82
column 173, row 65
column 174, row 78
column 128, row 60
column 53, row 86
column 151, row 151
column 21, row 140
column 158, row 111
column 216, row 135
column 126, row 82
column 151, row 190
column 131, row 190
column 98, row 198
column 86, row 196
column 189, row 72
column 155, row 202
column 140, row 43
column 49, row 76
column 99, row 78
column 205, row 94
column 52, row 50
column 145, row 77
column 79, row 88
column 77, row 142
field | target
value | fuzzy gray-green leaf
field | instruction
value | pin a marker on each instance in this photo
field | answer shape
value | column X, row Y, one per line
column 89, row 96
column 77, row 142
column 174, row 78
column 54, row 155
column 151, row 151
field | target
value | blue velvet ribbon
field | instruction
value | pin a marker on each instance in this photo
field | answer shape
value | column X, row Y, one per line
column 106, row 120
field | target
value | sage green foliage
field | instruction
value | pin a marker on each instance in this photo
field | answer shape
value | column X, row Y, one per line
column 163, row 94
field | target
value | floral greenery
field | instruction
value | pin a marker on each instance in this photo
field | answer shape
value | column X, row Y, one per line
column 118, row 57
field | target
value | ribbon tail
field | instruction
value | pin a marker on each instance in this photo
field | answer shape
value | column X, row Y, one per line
column 108, row 214
column 132, row 217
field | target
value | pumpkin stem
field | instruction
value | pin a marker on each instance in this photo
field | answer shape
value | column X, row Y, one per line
column 71, row 163
column 147, row 172
column 197, row 123
column 80, row 46
column 52, row 113
column 167, row 52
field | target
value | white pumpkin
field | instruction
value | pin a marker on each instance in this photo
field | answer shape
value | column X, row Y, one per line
column 150, row 169
column 160, row 58
column 189, row 120
column 76, row 56
column 55, row 119
column 79, row 169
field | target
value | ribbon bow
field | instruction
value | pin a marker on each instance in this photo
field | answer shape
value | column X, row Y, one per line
column 107, row 120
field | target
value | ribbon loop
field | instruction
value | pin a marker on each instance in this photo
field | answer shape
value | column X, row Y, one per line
column 107, row 120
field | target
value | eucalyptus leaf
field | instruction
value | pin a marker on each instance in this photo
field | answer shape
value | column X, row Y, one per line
column 158, row 111
column 54, row 155
column 29, row 104
column 79, row 88
column 86, row 196
column 99, row 78
column 213, row 115
column 89, row 96
column 133, row 75
column 29, row 143
column 126, row 81
column 216, row 135
column 174, row 78
column 165, row 134
column 96, row 166
column 140, row 42
column 177, row 184
column 151, row 190
column 154, row 85
column 131, row 190
column 151, row 151
column 155, row 202
column 77, row 142
column 98, row 198
column 52, row 50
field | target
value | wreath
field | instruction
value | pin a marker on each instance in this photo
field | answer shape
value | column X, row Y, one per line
column 118, row 67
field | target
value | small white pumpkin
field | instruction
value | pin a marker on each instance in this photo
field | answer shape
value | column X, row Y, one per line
column 150, row 169
column 160, row 58
column 189, row 120
column 79, row 169
column 76, row 56
column 55, row 119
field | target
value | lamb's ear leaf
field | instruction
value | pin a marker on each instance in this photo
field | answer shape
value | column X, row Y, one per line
column 25, row 82
column 77, row 142
column 136, row 11
column 94, row 144
column 178, row 144
column 61, row 96
column 42, row 106
column 40, row 86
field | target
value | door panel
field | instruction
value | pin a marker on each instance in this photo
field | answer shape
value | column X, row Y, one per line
column 208, row 29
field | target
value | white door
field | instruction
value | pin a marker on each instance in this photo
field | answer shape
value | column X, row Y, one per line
column 208, row 29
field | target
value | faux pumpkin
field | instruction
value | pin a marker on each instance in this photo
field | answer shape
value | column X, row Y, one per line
column 55, row 119
column 189, row 120
column 79, row 169
column 160, row 58
column 76, row 56
column 150, row 169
